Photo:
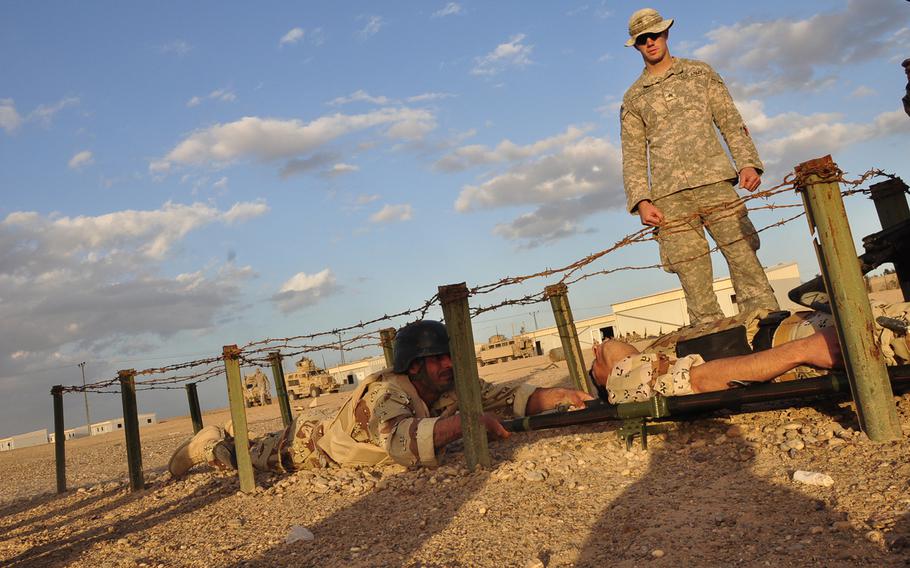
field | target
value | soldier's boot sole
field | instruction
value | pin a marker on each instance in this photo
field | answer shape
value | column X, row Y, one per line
column 207, row 446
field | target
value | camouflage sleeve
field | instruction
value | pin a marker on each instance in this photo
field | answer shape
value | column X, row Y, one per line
column 496, row 398
column 634, row 157
column 731, row 125
column 390, row 424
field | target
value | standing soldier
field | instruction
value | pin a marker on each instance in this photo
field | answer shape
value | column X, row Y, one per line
column 667, row 123
column 906, row 99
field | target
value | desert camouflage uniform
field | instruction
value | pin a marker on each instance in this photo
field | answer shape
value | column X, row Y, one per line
column 384, row 421
column 638, row 377
column 667, row 126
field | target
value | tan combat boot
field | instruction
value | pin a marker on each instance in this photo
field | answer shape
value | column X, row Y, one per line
column 208, row 446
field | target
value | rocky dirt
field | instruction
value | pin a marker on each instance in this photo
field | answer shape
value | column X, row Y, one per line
column 714, row 491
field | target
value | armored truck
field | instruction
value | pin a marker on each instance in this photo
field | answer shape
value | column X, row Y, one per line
column 498, row 349
column 309, row 380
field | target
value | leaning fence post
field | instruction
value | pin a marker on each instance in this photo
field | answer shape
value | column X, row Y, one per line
column 386, row 338
column 195, row 412
column 568, row 335
column 454, row 300
column 238, row 416
column 891, row 205
column 59, row 438
column 281, row 389
column 868, row 377
column 131, row 428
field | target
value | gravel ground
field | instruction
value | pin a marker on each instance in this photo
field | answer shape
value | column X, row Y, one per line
column 714, row 491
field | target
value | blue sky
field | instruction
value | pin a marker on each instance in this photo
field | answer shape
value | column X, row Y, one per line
column 180, row 176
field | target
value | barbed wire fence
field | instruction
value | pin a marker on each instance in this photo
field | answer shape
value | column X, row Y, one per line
column 256, row 353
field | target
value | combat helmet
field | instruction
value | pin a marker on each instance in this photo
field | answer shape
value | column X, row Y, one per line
column 422, row 338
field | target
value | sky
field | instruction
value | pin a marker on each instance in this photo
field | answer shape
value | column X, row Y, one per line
column 177, row 176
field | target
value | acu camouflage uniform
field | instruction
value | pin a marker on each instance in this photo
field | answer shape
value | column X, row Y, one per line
column 668, row 138
column 658, row 370
column 385, row 421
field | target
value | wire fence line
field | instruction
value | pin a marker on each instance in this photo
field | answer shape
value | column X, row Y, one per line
column 257, row 353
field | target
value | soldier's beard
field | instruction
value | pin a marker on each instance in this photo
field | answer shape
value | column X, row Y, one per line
column 438, row 386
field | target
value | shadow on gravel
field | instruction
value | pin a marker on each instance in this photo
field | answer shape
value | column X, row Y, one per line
column 67, row 549
column 368, row 522
column 59, row 514
column 703, row 507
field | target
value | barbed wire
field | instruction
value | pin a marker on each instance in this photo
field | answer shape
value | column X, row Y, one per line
column 258, row 352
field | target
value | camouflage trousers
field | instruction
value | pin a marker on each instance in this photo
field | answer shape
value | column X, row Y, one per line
column 291, row 449
column 684, row 249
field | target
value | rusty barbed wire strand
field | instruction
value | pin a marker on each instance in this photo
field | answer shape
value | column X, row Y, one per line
column 251, row 353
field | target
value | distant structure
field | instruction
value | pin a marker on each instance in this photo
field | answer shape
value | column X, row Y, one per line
column 24, row 440
column 637, row 318
column 103, row 427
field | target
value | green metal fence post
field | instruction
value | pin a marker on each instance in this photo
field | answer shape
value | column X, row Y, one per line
column 281, row 389
column 386, row 338
column 890, row 198
column 238, row 416
column 195, row 411
column 868, row 377
column 558, row 295
column 59, row 438
column 131, row 428
column 454, row 300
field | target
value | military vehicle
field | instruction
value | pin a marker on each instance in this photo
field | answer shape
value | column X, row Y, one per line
column 498, row 349
column 256, row 390
column 309, row 380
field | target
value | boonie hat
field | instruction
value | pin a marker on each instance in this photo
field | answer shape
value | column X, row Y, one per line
column 646, row 21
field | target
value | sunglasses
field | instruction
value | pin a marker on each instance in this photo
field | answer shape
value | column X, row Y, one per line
column 643, row 38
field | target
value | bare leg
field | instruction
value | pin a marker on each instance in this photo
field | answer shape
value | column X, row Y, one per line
column 819, row 350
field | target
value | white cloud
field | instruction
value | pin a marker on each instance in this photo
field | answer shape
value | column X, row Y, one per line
column 95, row 282
column 292, row 37
column 177, row 47
column 424, row 97
column 364, row 199
column 450, row 9
column 392, row 214
column 513, row 53
column 308, row 164
column 303, row 290
column 221, row 183
column 224, row 95
column 360, row 96
column 469, row 156
column 45, row 113
column 267, row 139
column 9, row 118
column 340, row 169
column 862, row 91
column 790, row 137
column 589, row 165
column 244, row 211
column 83, row 158
column 768, row 57
column 372, row 27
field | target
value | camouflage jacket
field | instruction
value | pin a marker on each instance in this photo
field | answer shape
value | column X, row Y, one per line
column 669, row 119
column 385, row 420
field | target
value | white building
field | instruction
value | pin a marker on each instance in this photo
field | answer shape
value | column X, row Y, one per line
column 117, row 424
column 24, row 440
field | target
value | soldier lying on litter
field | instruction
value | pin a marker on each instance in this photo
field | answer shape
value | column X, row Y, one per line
column 405, row 415
column 755, row 347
